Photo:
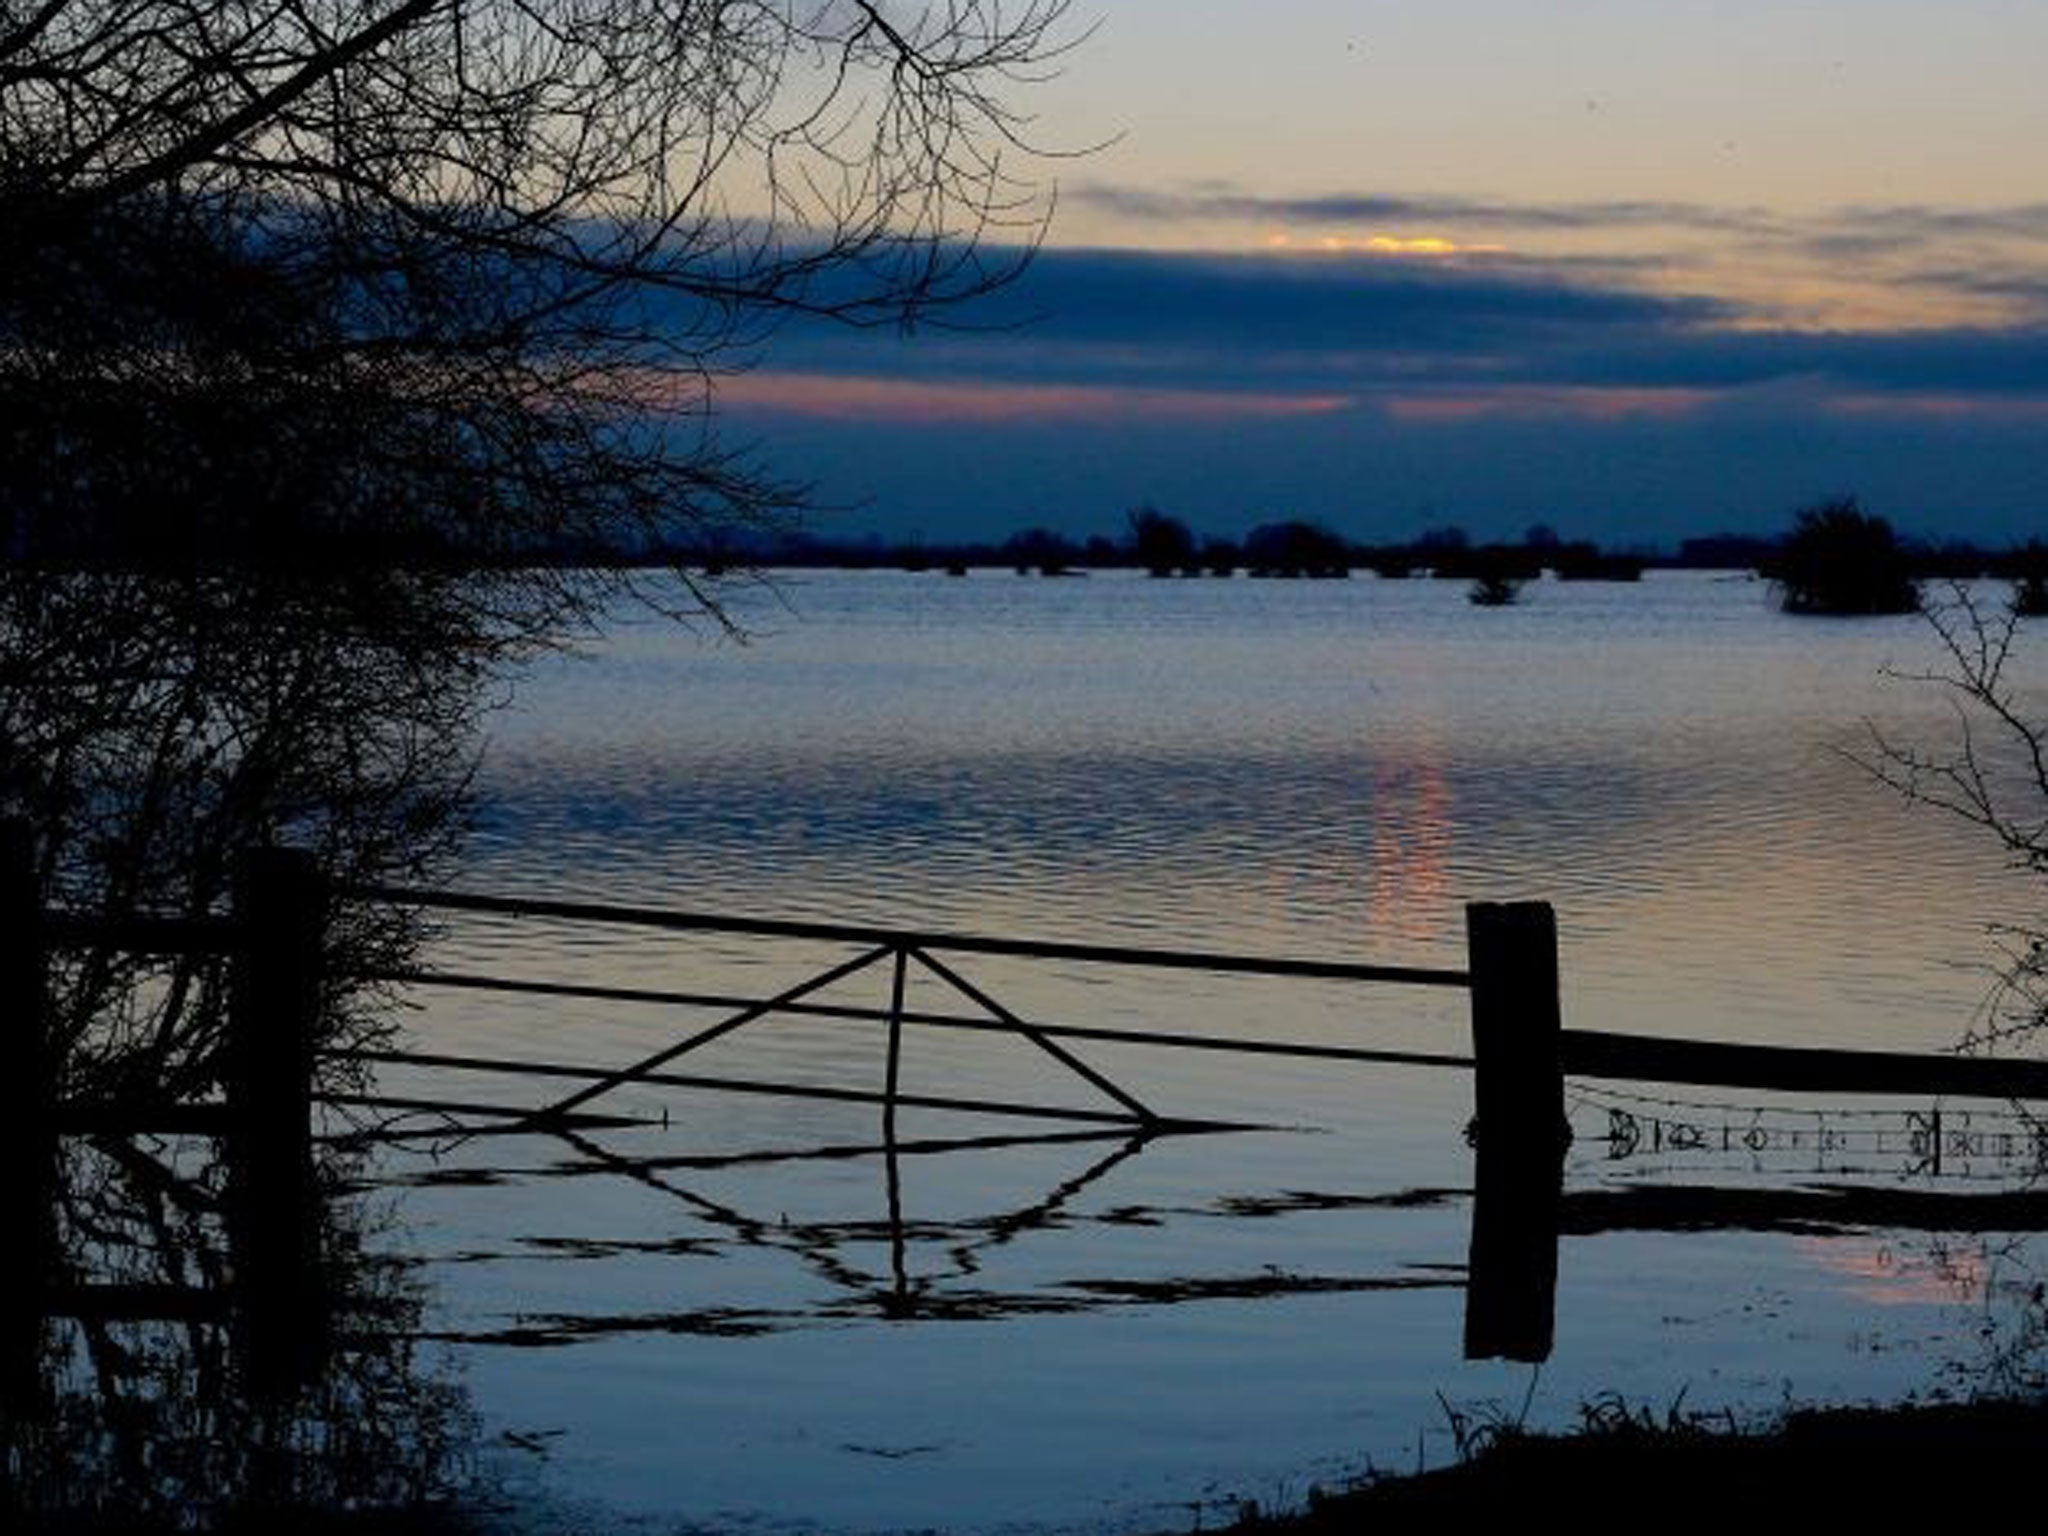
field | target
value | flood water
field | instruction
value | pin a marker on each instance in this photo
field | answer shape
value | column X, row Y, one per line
column 698, row 1322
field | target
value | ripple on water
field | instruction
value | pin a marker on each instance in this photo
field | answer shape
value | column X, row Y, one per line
column 1318, row 769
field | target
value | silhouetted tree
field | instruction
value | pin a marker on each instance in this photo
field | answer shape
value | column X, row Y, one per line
column 1582, row 560
column 1393, row 562
column 1840, row 560
column 1161, row 544
column 1050, row 553
column 1296, row 548
column 153, row 724
column 1441, row 541
column 458, row 278
column 1220, row 557
column 348, row 348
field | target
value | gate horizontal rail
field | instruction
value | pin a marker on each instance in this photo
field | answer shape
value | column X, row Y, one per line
column 466, row 981
column 910, row 938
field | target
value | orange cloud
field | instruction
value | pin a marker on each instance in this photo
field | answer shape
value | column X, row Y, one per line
column 848, row 397
column 1384, row 245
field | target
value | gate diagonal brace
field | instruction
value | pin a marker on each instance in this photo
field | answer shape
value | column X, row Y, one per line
column 540, row 1117
column 1043, row 1041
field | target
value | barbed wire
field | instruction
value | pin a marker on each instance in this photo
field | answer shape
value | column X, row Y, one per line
column 1935, row 1141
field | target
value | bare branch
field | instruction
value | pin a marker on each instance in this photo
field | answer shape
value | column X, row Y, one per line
column 1993, row 775
column 353, row 350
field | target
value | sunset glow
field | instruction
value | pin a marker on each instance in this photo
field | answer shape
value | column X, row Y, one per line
column 1730, row 290
column 1385, row 245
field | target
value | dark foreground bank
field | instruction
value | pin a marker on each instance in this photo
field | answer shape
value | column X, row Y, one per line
column 1882, row 1464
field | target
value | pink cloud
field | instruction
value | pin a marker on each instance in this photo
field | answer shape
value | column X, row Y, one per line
column 1929, row 405
column 846, row 397
column 1578, row 403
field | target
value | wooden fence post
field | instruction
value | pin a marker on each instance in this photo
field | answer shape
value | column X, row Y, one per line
column 28, row 1105
column 273, row 1019
column 1520, row 1130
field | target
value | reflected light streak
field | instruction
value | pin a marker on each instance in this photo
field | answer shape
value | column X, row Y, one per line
column 1878, row 1273
column 1410, row 809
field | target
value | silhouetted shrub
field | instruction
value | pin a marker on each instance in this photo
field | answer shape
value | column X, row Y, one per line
column 1498, row 572
column 1840, row 560
column 1494, row 589
column 2027, row 569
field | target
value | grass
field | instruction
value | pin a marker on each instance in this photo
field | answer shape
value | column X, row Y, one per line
column 1685, row 1472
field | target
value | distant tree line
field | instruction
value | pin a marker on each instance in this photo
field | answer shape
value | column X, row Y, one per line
column 1166, row 546
column 1834, row 559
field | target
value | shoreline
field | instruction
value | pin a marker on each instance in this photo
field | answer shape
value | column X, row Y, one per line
column 1877, row 1462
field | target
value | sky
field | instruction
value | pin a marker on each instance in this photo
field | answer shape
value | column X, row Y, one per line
column 1635, row 270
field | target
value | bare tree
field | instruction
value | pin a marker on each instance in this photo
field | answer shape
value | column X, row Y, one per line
column 1993, row 774
column 498, row 249
column 352, row 349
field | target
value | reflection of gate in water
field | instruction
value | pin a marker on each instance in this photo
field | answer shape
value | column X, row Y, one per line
column 866, row 1266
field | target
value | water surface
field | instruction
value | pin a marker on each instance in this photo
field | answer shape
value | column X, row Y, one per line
column 1099, row 1333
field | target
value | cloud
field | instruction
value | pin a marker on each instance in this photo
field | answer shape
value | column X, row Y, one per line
column 1919, row 222
column 1160, row 331
column 1321, row 300
column 2024, row 286
column 859, row 397
column 1908, row 262
column 1974, row 362
column 1229, row 205
column 1565, row 402
column 1390, row 245
column 1626, row 388
column 1267, row 320
column 1842, row 227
